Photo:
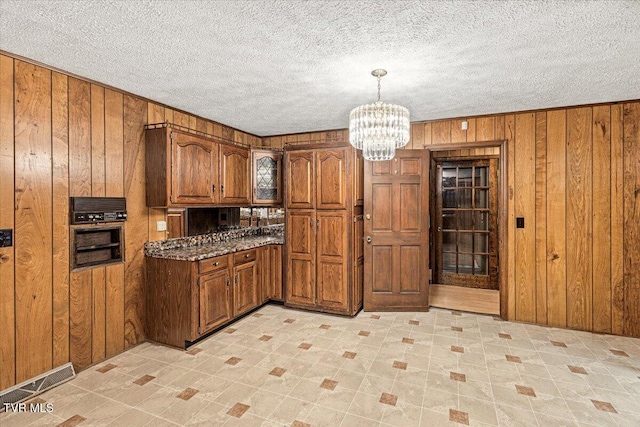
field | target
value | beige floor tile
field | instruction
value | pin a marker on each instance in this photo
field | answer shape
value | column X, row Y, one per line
column 236, row 392
column 422, row 390
column 132, row 417
column 291, row 409
column 509, row 416
column 439, row 401
column 479, row 410
column 368, row 406
column 321, row 416
column 339, row 399
column 409, row 393
column 351, row 420
column 431, row 418
column 402, row 414
column 181, row 411
column 307, row 390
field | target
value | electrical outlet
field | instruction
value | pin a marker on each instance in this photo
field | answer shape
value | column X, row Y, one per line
column 161, row 225
column 465, row 125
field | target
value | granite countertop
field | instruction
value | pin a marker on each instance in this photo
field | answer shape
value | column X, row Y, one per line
column 213, row 249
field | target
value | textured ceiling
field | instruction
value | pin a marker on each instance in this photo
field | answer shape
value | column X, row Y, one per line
column 273, row 67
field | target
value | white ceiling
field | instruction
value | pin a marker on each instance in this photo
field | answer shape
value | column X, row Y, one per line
column 282, row 66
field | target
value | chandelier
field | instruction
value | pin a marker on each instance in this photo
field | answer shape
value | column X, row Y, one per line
column 378, row 129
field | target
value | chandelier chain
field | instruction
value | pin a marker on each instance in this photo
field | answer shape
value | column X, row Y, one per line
column 379, row 78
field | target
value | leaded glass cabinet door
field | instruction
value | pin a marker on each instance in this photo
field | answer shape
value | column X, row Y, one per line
column 267, row 177
column 466, row 224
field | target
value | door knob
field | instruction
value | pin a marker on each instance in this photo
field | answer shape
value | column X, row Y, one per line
column 368, row 239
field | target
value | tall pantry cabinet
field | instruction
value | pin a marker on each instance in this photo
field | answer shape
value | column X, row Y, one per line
column 323, row 197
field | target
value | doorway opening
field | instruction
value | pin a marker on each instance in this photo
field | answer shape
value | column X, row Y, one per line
column 466, row 230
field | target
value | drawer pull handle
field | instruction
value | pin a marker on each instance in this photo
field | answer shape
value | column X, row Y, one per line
column 215, row 264
column 246, row 255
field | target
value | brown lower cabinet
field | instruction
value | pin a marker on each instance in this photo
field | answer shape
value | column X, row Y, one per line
column 187, row 299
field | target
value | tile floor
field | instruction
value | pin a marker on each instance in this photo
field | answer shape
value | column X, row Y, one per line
column 283, row 367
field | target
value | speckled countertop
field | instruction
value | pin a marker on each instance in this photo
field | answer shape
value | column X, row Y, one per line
column 197, row 253
column 215, row 244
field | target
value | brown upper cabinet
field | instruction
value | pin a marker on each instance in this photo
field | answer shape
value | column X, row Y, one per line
column 316, row 179
column 266, row 177
column 183, row 169
column 235, row 175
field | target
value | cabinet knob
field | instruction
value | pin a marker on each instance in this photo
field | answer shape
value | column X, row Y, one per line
column 368, row 239
column 246, row 255
column 368, row 216
column 215, row 264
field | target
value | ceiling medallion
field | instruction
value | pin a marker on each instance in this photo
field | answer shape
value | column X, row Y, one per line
column 378, row 129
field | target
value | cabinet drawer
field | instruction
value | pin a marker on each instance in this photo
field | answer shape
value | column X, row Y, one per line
column 212, row 264
column 244, row 256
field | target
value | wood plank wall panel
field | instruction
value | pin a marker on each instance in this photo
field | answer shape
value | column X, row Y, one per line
column 541, row 217
column 631, row 156
column 75, row 139
column 81, row 283
column 114, row 187
column 601, row 205
column 33, row 221
column 524, row 188
column 579, row 219
column 135, row 116
column 617, row 221
column 556, row 218
column 60, row 147
column 509, row 134
column 7, row 200
column 98, row 184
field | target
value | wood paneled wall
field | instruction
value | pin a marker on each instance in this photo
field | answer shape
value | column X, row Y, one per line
column 576, row 264
column 62, row 136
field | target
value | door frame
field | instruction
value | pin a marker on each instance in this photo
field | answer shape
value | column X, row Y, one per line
column 503, row 218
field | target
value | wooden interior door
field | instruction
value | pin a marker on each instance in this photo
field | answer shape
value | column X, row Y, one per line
column 301, row 257
column 235, row 175
column 331, row 177
column 466, row 223
column 332, row 249
column 301, row 180
column 396, row 248
column 193, row 176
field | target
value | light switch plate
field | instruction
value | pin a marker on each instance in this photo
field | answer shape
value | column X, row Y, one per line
column 465, row 125
column 161, row 225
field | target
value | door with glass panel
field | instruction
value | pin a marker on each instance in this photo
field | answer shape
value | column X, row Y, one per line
column 466, row 223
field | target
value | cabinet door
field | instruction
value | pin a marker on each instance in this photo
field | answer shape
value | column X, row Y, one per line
column 275, row 261
column 301, row 257
column 358, row 260
column 332, row 258
column 246, row 287
column 301, row 188
column 331, row 173
column 266, row 177
column 214, row 300
column 234, row 174
column 193, row 169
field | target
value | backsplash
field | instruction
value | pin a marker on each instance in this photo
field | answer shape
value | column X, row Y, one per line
column 206, row 239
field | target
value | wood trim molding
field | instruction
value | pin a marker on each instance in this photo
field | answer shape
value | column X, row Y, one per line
column 503, row 249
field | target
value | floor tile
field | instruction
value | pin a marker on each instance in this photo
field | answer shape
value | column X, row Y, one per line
column 281, row 367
